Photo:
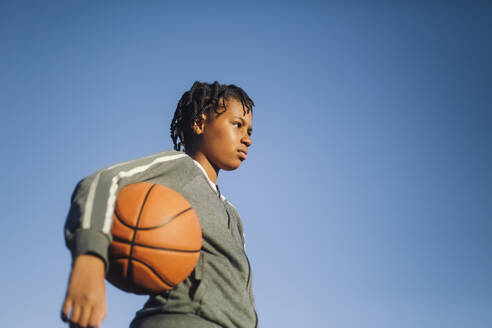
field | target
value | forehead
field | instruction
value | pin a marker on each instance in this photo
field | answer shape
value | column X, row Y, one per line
column 234, row 107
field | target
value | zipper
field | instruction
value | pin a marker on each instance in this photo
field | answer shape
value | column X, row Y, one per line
column 242, row 247
column 248, row 281
column 247, row 286
column 227, row 212
column 249, row 269
column 228, row 221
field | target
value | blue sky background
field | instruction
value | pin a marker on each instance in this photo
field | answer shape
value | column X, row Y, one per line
column 367, row 194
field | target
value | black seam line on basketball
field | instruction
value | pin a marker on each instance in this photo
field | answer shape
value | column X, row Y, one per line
column 123, row 241
column 129, row 273
column 142, row 262
column 166, row 221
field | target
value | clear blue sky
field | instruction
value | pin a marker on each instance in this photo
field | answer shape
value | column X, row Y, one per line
column 367, row 194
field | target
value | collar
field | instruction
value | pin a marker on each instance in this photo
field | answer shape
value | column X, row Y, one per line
column 212, row 185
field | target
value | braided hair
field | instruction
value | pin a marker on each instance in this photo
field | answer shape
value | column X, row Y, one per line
column 203, row 98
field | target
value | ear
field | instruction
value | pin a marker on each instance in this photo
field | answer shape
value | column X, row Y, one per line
column 199, row 125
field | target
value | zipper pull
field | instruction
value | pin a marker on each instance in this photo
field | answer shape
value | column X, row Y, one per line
column 228, row 219
column 225, row 207
column 218, row 191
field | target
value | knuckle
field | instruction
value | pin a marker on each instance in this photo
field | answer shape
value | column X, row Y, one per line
column 89, row 299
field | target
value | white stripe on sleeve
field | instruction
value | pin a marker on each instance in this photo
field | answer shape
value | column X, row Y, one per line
column 86, row 219
column 124, row 174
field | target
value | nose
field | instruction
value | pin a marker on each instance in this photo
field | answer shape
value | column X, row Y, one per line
column 246, row 140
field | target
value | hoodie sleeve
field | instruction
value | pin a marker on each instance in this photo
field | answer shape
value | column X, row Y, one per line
column 89, row 221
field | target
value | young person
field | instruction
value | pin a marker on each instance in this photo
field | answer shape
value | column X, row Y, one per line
column 213, row 123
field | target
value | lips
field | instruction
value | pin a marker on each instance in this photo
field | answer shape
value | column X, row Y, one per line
column 243, row 153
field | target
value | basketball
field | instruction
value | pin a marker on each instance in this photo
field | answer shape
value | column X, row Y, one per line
column 156, row 239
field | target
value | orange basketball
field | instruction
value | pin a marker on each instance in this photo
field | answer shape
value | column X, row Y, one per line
column 156, row 239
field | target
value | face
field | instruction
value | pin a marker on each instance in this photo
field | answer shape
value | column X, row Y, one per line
column 226, row 137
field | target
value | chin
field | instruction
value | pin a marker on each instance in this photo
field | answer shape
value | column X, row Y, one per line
column 231, row 166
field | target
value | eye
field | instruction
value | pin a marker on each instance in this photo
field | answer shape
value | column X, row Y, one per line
column 238, row 124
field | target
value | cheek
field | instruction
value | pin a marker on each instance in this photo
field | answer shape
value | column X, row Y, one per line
column 216, row 141
column 225, row 136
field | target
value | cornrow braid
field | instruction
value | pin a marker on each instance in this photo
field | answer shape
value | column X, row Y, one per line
column 203, row 98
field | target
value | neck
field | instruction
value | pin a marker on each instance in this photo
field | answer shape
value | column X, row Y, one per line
column 211, row 170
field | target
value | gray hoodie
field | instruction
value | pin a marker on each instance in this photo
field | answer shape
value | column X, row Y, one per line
column 220, row 288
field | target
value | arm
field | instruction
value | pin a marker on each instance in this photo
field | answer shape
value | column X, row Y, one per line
column 85, row 300
column 88, row 232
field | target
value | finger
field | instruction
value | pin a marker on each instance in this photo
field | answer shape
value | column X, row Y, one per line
column 97, row 316
column 66, row 309
column 64, row 317
column 85, row 314
column 75, row 315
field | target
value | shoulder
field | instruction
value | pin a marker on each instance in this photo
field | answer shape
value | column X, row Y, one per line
column 162, row 163
column 169, row 159
column 229, row 205
column 170, row 156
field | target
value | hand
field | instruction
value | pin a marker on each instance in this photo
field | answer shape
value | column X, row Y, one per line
column 85, row 301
